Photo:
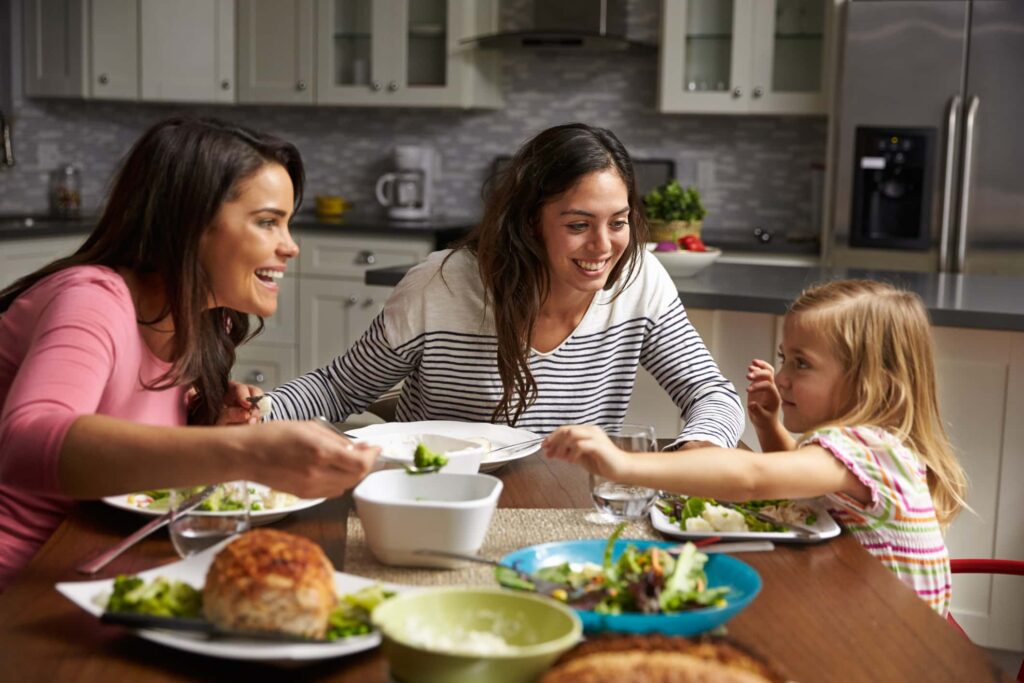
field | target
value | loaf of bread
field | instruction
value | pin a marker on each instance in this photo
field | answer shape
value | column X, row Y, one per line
column 268, row 580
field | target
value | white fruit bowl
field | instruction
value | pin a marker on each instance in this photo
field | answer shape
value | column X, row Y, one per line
column 685, row 263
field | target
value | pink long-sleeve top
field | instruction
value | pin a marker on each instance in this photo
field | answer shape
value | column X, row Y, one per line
column 69, row 346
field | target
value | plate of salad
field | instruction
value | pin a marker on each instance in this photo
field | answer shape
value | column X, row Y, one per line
column 266, row 505
column 175, row 590
column 639, row 586
column 691, row 518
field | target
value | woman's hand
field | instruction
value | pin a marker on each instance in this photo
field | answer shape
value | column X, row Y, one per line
column 763, row 400
column 236, row 409
column 589, row 446
column 305, row 459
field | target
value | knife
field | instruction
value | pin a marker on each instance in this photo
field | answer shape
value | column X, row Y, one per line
column 799, row 529
column 201, row 626
column 97, row 563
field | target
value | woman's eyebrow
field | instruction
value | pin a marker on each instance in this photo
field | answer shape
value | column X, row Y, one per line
column 582, row 212
column 270, row 209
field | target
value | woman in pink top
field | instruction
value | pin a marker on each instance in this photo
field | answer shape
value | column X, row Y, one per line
column 107, row 354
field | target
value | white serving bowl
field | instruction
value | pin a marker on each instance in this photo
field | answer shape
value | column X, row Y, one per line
column 402, row 513
column 464, row 456
column 685, row 263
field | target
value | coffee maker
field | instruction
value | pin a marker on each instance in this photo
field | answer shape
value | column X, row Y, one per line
column 407, row 192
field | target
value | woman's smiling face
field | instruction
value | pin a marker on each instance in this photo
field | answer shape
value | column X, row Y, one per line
column 585, row 231
column 245, row 251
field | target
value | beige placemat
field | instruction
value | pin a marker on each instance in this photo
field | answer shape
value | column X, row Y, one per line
column 511, row 529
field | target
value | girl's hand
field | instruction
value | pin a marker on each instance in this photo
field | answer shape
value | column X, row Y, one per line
column 236, row 409
column 305, row 459
column 763, row 400
column 589, row 446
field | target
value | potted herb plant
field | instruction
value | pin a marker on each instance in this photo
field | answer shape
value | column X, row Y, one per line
column 673, row 211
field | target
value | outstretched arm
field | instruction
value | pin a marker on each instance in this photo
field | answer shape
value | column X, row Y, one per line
column 763, row 404
column 734, row 474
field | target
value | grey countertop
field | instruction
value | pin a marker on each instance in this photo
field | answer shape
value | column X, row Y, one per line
column 976, row 301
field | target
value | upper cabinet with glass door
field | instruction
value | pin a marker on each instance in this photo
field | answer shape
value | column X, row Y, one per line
column 406, row 52
column 745, row 56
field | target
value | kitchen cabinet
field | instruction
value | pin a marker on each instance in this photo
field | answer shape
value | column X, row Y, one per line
column 18, row 258
column 55, row 48
column 276, row 51
column 406, row 53
column 187, row 50
column 114, row 49
column 981, row 395
column 745, row 56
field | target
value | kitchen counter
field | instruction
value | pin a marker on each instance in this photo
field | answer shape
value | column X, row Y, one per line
column 972, row 301
column 445, row 230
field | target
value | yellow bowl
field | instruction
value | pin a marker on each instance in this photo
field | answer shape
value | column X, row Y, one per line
column 330, row 206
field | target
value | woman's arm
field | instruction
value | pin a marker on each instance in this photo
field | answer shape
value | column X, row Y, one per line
column 733, row 474
column 103, row 456
column 675, row 354
column 350, row 383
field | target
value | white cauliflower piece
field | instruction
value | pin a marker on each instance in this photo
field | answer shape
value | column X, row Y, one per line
column 264, row 406
column 724, row 519
column 698, row 524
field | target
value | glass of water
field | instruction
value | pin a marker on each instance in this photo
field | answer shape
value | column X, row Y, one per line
column 198, row 529
column 618, row 502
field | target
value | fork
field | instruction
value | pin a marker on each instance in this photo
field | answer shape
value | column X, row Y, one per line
column 539, row 585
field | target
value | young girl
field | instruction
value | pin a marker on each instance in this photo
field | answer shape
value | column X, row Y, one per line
column 857, row 379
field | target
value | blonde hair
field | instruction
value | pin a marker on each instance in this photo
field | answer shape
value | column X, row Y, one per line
column 882, row 337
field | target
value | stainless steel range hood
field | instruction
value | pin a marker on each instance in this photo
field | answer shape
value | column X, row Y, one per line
column 569, row 25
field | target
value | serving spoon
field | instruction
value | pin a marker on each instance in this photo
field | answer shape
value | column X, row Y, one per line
column 410, row 469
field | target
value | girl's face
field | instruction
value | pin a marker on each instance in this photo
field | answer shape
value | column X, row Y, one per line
column 245, row 250
column 585, row 231
column 809, row 377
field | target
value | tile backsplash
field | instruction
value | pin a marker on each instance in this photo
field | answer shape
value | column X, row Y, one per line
column 754, row 171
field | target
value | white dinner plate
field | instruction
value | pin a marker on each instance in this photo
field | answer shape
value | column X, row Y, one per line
column 257, row 517
column 498, row 435
column 824, row 525
column 93, row 595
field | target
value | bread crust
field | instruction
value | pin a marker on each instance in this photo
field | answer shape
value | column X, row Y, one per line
column 267, row 580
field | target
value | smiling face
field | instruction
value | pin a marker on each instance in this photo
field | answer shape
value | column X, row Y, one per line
column 585, row 231
column 810, row 378
column 245, row 250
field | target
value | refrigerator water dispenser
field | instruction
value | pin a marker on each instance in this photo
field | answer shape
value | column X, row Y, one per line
column 892, row 191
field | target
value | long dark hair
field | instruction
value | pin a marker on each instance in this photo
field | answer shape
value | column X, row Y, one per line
column 510, row 252
column 164, row 197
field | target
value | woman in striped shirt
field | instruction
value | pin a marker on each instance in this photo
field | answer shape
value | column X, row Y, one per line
column 857, row 379
column 540, row 318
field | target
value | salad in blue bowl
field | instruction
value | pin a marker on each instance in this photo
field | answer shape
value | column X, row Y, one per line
column 638, row 586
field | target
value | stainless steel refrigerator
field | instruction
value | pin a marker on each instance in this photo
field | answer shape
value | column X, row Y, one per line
column 929, row 148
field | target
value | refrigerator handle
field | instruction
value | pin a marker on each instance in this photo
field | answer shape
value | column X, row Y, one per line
column 965, row 184
column 947, row 182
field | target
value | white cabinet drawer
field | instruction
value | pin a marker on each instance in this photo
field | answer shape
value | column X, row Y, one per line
column 351, row 256
column 264, row 365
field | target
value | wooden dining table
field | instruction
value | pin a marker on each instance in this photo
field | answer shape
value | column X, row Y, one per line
column 827, row 612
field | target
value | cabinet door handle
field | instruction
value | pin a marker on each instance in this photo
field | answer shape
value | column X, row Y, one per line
column 256, row 377
column 225, row 84
column 758, row 92
column 352, row 300
column 301, row 85
column 736, row 93
column 366, row 257
column 104, row 79
column 392, row 86
column 369, row 302
column 375, row 85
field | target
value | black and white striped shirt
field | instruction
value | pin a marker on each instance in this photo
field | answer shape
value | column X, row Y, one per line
column 436, row 334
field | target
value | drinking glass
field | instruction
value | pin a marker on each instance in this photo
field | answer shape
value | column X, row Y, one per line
column 618, row 502
column 197, row 530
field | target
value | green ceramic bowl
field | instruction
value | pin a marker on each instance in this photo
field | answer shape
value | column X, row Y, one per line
column 454, row 635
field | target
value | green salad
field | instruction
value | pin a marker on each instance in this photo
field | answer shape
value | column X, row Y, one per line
column 351, row 616
column 649, row 581
column 226, row 497
column 712, row 517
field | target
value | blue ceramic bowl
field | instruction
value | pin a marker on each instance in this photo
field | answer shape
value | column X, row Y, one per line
column 721, row 570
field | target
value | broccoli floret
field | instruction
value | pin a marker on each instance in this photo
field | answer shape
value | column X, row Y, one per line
column 424, row 457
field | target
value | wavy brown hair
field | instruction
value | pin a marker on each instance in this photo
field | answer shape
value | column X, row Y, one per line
column 163, row 199
column 510, row 253
column 882, row 337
